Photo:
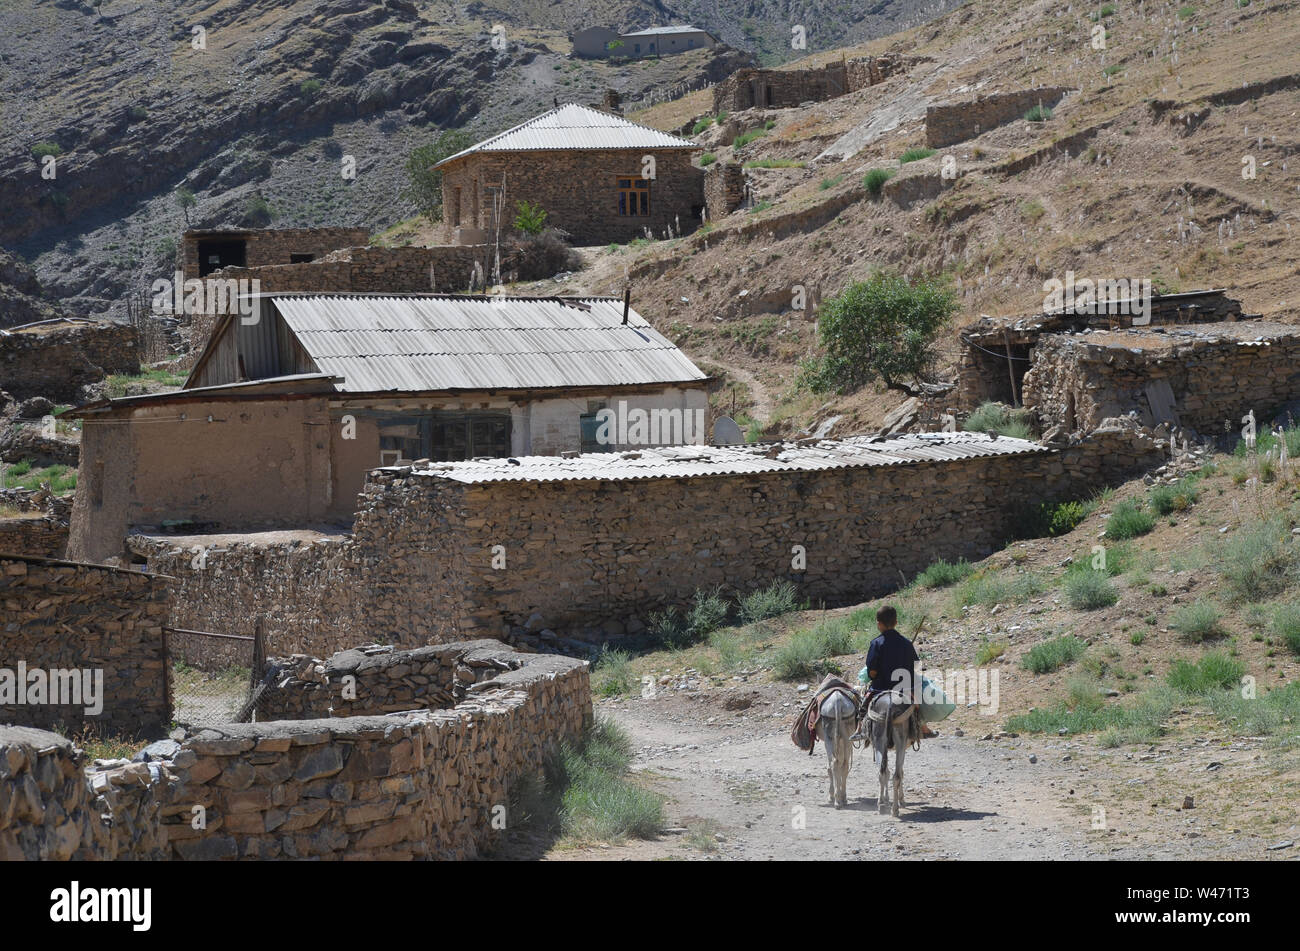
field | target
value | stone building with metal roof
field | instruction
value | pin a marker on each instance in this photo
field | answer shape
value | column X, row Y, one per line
column 287, row 409
column 598, row 177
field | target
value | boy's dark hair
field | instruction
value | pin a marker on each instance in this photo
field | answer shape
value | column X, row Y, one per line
column 887, row 616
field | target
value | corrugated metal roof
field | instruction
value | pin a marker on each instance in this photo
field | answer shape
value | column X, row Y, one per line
column 686, row 461
column 657, row 30
column 415, row 344
column 575, row 127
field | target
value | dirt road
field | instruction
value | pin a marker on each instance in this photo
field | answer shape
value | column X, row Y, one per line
column 739, row 789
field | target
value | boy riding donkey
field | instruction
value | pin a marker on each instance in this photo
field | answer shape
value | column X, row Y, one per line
column 888, row 657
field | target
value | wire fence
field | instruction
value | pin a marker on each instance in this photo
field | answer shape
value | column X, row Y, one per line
column 215, row 678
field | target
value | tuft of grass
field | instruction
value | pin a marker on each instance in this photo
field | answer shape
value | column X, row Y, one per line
column 1052, row 655
column 745, row 138
column 808, row 652
column 875, row 180
column 611, row 675
column 1086, row 711
column 829, row 183
column 1186, row 13
column 943, row 574
column 707, row 159
column 774, row 163
column 915, row 155
column 1089, row 590
column 597, row 801
column 774, row 600
column 1038, row 113
column 990, row 651
column 1214, row 671
column 701, row 125
column 1259, row 561
column 1128, row 521
column 990, row 588
column 1275, row 713
column 1001, row 419
column 1198, row 621
column 1285, row 625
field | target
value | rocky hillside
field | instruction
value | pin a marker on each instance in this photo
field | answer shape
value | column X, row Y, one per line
column 1139, row 174
column 107, row 109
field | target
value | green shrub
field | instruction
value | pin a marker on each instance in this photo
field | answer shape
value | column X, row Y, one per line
column 829, row 183
column 309, row 87
column 1198, row 621
column 1214, row 671
column 1187, row 12
column 1038, row 113
column 875, row 180
column 942, row 574
column 701, row 125
column 774, row 163
column 530, row 218
column 1275, row 713
column 707, row 613
column 1286, row 625
column 707, row 159
column 1089, row 590
column 1001, row 419
column 1259, row 561
column 1174, row 498
column 990, row 651
column 915, row 155
column 1128, row 521
column 1052, row 655
column 42, row 149
column 745, row 138
column 774, row 600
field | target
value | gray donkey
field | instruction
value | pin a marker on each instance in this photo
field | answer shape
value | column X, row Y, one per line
column 890, row 716
column 836, row 719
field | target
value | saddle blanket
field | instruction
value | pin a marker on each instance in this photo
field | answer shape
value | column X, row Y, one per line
column 804, row 733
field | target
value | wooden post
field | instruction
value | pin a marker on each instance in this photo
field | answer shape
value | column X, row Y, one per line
column 1011, row 369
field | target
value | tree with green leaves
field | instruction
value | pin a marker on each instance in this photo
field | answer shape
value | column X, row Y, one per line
column 529, row 218
column 884, row 328
column 424, row 186
column 185, row 198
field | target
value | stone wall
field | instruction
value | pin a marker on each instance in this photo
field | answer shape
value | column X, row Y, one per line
column 76, row 617
column 34, row 534
column 272, row 246
column 784, row 88
column 57, row 360
column 427, row 783
column 595, row 558
column 578, row 190
column 724, row 189
column 1215, row 377
column 955, row 122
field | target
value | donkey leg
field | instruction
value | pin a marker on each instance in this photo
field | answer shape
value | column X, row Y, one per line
column 882, row 800
column 828, row 740
column 842, row 762
column 900, row 739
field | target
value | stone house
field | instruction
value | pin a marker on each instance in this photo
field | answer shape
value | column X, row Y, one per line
column 598, row 42
column 598, row 177
column 205, row 251
column 287, row 410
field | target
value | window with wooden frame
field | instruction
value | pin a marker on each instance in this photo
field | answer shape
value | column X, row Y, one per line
column 634, row 197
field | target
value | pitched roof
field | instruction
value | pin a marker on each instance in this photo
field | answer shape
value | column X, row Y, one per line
column 664, row 30
column 575, row 127
column 686, row 461
column 378, row 343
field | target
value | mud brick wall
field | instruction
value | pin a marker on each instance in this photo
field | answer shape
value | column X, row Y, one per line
column 423, row 784
column 724, row 189
column 955, row 122
column 1076, row 384
column 444, row 269
column 273, row 246
column 61, row 615
column 578, row 191
column 57, row 360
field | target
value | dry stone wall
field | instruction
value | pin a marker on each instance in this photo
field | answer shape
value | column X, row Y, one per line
column 784, row 88
column 87, row 620
column 955, row 122
column 57, row 360
column 724, row 189
column 594, row 559
column 274, row 245
column 427, row 783
column 1214, row 380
